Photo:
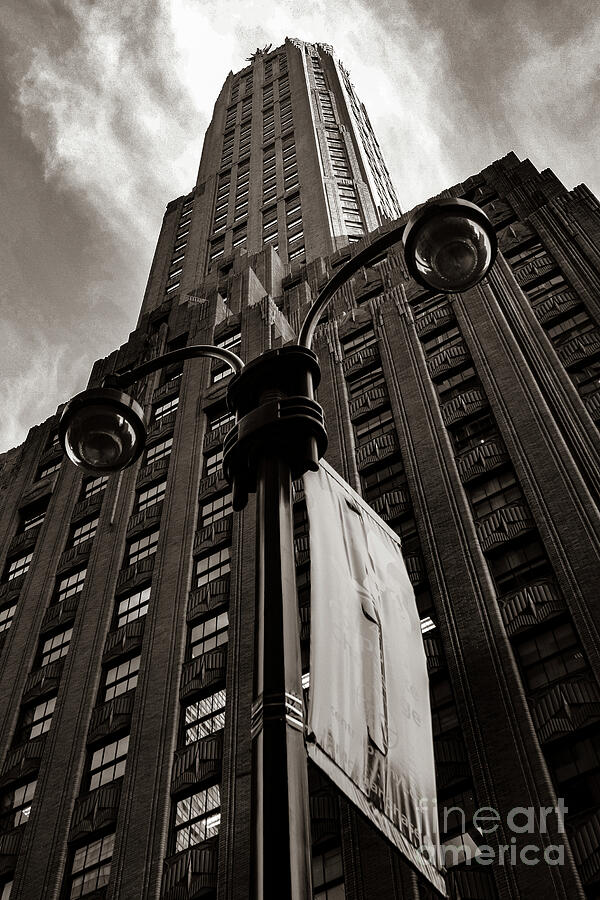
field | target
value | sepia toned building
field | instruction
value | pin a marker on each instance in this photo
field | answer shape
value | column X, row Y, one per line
column 469, row 422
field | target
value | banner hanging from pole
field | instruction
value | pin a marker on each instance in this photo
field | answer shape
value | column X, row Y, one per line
column 369, row 723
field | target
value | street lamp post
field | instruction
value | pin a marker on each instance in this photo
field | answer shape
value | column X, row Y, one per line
column 278, row 436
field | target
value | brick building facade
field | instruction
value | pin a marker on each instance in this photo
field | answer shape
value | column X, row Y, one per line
column 468, row 422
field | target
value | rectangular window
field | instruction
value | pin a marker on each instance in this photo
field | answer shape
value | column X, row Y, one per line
column 132, row 607
column 209, row 634
column 48, row 470
column 328, row 875
column 215, row 565
column 215, row 509
column 197, row 818
column 358, row 341
column 18, row 566
column 219, row 418
column 36, row 719
column 374, row 427
column 108, row 762
column 213, row 462
column 93, row 486
column 151, row 495
column 165, row 408
column 70, row 584
column 56, row 647
column 388, row 477
column 204, row 717
column 494, row 493
column 33, row 515
column 122, row 678
column 159, row 451
column 550, row 656
column 6, row 617
column 85, row 531
column 16, row 805
column 365, row 382
column 91, row 866
column 142, row 547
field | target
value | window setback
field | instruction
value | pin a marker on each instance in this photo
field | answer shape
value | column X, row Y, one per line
column 91, row 866
column 151, row 495
column 56, row 647
column 204, row 717
column 215, row 509
column 48, row 470
column 142, row 547
column 212, row 567
column 550, row 656
column 85, row 531
column 209, row 634
column 165, row 408
column 70, row 584
column 33, row 515
column 36, row 720
column 121, row 678
column 132, row 607
column 18, row 566
column 16, row 804
column 212, row 462
column 159, row 451
column 374, row 427
column 6, row 616
column 358, row 341
column 108, row 762
column 197, row 818
column 93, row 486
column 218, row 418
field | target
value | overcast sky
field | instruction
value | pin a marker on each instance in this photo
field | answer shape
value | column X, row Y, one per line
column 104, row 105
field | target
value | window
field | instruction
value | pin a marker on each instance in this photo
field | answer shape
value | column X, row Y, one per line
column 6, row 616
column 204, row 717
column 93, row 486
column 230, row 341
column 365, row 382
column 444, row 716
column 16, row 805
column 132, row 607
column 374, row 427
column 520, row 566
column 108, row 762
column 576, row 767
column 215, row 509
column 219, row 417
column 550, row 656
column 439, row 342
column 165, row 408
column 468, row 435
column 142, row 547
column 85, row 531
column 122, row 678
column 494, row 493
column 384, row 478
column 48, row 470
column 91, row 866
column 151, row 495
column 212, row 462
column 456, row 384
column 159, row 451
column 33, row 515
column 55, row 647
column 569, row 328
column 220, row 372
column 215, row 565
column 35, row 720
column 197, row 818
column 209, row 634
column 358, row 341
column 328, row 875
column 70, row 584
column 18, row 566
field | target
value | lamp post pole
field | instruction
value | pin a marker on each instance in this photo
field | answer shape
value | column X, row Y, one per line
column 279, row 435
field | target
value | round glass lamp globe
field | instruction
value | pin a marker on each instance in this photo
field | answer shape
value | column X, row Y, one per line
column 102, row 430
column 449, row 245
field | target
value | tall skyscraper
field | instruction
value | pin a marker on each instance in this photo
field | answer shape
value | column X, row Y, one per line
column 468, row 422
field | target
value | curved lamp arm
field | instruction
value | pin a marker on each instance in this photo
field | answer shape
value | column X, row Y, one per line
column 125, row 379
column 362, row 258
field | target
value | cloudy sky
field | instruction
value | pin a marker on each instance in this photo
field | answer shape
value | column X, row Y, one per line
column 104, row 105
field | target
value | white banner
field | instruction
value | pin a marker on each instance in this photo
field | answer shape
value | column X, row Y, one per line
column 369, row 724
